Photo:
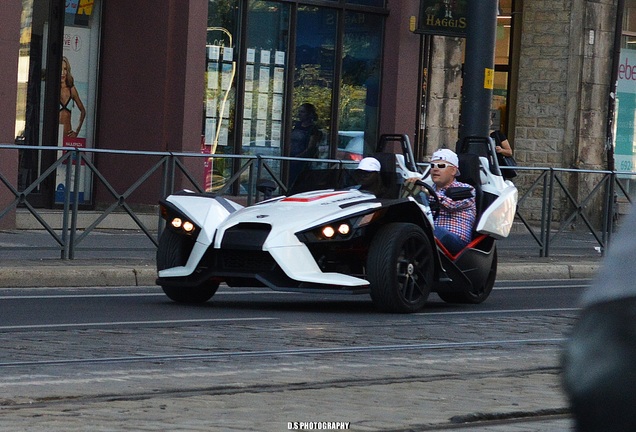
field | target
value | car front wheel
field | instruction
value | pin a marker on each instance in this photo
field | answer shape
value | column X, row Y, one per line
column 173, row 251
column 400, row 268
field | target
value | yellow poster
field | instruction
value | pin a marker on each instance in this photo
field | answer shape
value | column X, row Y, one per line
column 489, row 78
column 85, row 7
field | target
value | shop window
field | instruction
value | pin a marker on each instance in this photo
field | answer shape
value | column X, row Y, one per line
column 304, row 85
column 502, row 66
column 265, row 71
column 376, row 3
column 220, row 96
column 313, row 85
column 359, row 92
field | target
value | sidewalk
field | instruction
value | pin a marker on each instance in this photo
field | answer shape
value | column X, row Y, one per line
column 31, row 258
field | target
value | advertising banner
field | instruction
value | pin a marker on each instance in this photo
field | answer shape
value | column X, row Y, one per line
column 624, row 143
column 77, row 82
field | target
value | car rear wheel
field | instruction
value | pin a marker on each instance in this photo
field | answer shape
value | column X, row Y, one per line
column 173, row 251
column 479, row 293
column 400, row 268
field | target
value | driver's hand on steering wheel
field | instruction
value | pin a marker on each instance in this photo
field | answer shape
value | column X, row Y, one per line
column 415, row 180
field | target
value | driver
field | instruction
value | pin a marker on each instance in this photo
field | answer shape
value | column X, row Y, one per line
column 454, row 224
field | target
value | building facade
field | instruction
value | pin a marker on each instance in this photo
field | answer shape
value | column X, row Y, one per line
column 230, row 77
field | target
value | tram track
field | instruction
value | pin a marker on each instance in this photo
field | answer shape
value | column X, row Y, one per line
column 422, row 379
column 514, row 419
column 284, row 352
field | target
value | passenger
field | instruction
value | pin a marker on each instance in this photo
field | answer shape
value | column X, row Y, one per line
column 367, row 175
column 454, row 225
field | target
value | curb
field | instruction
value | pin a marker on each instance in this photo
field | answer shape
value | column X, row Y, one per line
column 76, row 276
column 130, row 276
column 547, row 271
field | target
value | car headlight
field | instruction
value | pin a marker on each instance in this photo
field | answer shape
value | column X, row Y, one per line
column 341, row 230
column 177, row 222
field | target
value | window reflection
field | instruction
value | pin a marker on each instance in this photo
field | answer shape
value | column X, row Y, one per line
column 313, row 82
column 359, row 94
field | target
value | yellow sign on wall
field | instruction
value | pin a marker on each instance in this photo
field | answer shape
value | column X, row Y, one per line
column 489, row 78
column 85, row 7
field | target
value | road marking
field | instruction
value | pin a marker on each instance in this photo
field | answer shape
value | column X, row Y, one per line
column 538, row 287
column 140, row 294
column 502, row 311
column 126, row 323
column 229, row 292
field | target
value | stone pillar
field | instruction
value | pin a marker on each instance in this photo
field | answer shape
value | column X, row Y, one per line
column 10, row 11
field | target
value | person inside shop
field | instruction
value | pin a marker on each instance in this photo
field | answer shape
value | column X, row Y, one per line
column 305, row 137
column 367, row 175
column 68, row 96
column 457, row 212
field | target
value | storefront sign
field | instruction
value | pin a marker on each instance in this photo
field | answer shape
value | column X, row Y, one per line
column 625, row 134
column 443, row 17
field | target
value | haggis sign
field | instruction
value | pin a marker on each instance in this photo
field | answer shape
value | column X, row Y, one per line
column 443, row 17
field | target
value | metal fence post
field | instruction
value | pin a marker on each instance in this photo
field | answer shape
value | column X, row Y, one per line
column 76, row 164
column 548, row 219
column 66, row 243
column 610, row 210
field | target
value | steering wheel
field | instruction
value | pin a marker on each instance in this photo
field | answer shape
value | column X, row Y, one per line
column 433, row 199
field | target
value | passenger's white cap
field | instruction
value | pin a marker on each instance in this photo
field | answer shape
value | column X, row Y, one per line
column 369, row 164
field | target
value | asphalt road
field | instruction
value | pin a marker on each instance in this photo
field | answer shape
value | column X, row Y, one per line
column 134, row 306
column 256, row 360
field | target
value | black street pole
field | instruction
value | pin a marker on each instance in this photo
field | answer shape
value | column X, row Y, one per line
column 479, row 68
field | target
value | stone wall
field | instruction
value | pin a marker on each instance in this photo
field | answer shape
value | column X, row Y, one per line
column 444, row 95
column 565, row 67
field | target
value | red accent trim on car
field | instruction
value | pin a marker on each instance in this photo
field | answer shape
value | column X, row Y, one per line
column 472, row 244
column 312, row 198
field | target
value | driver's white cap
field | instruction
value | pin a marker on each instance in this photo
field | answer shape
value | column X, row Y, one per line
column 369, row 164
column 446, row 155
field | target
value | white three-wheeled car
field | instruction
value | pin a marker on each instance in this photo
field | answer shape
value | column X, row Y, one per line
column 339, row 238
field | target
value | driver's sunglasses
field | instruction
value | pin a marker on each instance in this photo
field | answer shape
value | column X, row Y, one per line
column 438, row 165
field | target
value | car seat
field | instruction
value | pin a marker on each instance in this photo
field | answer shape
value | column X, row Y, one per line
column 481, row 146
column 469, row 169
column 388, row 174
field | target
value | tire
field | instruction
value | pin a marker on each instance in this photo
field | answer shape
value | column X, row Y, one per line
column 480, row 294
column 173, row 251
column 400, row 268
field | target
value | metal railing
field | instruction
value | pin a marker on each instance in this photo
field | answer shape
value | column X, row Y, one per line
column 163, row 171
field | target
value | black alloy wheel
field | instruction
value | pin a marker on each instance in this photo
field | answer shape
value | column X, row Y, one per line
column 173, row 251
column 400, row 268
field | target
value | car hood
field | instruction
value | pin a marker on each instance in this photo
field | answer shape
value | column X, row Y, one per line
column 288, row 215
